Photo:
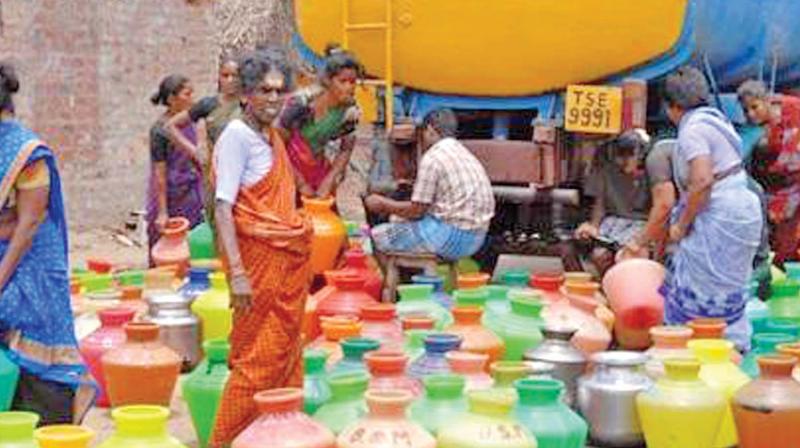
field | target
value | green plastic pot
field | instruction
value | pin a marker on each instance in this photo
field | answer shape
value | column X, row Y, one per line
column 542, row 412
column 316, row 390
column 520, row 329
column 202, row 389
column 16, row 429
column 417, row 299
column 792, row 269
column 442, row 404
column 784, row 288
column 97, row 282
column 353, row 350
column 9, row 376
column 516, row 278
column 497, row 304
column 785, row 308
column 347, row 404
column 131, row 278
column 201, row 243
column 471, row 297
column 415, row 343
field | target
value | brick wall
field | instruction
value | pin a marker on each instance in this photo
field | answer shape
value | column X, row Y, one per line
column 88, row 68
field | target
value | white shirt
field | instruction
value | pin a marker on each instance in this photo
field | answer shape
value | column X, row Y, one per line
column 242, row 158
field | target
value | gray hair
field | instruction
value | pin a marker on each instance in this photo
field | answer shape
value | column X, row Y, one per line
column 752, row 88
column 443, row 121
column 687, row 88
column 254, row 66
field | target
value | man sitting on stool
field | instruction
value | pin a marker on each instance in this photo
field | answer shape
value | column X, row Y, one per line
column 452, row 202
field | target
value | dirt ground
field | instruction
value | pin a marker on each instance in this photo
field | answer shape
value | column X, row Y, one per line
column 101, row 243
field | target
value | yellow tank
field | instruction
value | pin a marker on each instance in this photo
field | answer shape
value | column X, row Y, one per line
column 501, row 47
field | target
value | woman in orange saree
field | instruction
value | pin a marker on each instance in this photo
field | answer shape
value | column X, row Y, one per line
column 266, row 245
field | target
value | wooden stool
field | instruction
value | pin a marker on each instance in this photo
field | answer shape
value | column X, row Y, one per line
column 426, row 262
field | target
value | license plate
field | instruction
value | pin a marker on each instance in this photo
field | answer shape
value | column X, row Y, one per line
column 593, row 109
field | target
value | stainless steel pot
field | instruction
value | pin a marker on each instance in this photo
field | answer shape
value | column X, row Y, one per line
column 607, row 398
column 569, row 362
column 180, row 329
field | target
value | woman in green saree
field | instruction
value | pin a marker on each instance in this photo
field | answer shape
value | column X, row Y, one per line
column 318, row 115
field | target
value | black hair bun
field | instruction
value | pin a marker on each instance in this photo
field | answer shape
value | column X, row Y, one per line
column 156, row 99
column 8, row 78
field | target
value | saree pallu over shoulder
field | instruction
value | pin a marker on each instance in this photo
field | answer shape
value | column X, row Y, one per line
column 35, row 310
column 267, row 210
column 266, row 348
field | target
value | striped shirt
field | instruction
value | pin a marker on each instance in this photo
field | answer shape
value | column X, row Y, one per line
column 455, row 185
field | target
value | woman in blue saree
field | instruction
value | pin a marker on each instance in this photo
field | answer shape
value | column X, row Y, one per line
column 718, row 220
column 36, row 326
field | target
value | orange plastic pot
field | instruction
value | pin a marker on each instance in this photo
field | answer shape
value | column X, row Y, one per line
column 109, row 336
column 707, row 328
column 475, row 337
column 588, row 316
column 143, row 370
column 330, row 234
column 387, row 369
column 473, row 280
column 334, row 330
column 75, row 287
column 669, row 342
column 414, row 322
column 767, row 410
column 131, row 298
column 792, row 350
column 172, row 249
column 582, row 288
column 131, row 293
column 711, row 328
column 632, row 290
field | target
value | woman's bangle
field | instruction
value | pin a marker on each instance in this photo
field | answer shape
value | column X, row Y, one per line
column 238, row 272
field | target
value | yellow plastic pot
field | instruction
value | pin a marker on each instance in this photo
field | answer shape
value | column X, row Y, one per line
column 213, row 308
column 63, row 436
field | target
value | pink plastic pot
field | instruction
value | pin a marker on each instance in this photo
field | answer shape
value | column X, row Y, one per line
column 632, row 290
column 282, row 424
column 379, row 322
column 109, row 336
column 472, row 366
